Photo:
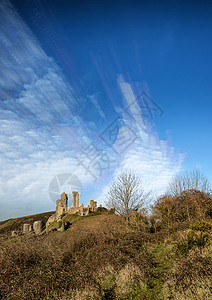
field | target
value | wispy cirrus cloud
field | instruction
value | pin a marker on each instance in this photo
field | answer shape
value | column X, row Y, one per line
column 40, row 130
column 155, row 160
column 43, row 129
column 151, row 158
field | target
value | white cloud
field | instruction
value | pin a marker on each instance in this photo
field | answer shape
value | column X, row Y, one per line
column 151, row 158
column 41, row 133
column 95, row 102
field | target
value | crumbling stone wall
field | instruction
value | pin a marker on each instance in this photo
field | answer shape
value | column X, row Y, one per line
column 27, row 228
column 83, row 211
column 75, row 203
column 38, row 227
column 93, row 205
column 61, row 205
column 51, row 220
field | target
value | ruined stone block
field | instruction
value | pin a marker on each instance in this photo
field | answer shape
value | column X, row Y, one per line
column 14, row 233
column 27, row 228
column 62, row 227
column 38, row 227
column 51, row 219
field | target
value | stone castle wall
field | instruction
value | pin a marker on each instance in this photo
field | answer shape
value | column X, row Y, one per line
column 62, row 206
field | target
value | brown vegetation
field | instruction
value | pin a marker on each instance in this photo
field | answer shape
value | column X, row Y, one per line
column 78, row 259
column 6, row 227
column 165, row 255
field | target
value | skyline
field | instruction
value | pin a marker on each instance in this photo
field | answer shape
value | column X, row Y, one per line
column 90, row 90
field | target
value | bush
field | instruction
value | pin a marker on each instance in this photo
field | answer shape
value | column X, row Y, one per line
column 102, row 257
column 60, row 224
column 190, row 240
column 59, row 265
column 190, row 277
column 101, row 209
column 63, row 214
column 201, row 226
column 111, row 211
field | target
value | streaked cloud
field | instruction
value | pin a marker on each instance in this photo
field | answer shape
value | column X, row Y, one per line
column 38, row 120
column 152, row 158
column 43, row 130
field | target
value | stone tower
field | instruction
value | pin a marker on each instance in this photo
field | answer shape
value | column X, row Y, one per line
column 93, row 205
column 64, row 200
column 75, row 199
column 61, row 205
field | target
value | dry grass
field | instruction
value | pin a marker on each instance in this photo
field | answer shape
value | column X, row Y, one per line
column 191, row 277
column 60, row 265
column 102, row 257
column 16, row 224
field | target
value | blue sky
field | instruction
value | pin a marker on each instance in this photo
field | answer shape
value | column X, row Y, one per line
column 90, row 89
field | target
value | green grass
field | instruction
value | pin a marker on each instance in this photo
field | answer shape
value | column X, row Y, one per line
column 71, row 218
column 161, row 268
column 52, row 225
column 65, row 218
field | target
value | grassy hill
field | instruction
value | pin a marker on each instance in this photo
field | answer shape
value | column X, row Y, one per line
column 101, row 256
column 7, row 226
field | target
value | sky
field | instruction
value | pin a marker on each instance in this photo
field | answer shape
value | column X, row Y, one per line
column 92, row 88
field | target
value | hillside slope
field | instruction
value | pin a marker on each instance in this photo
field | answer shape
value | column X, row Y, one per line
column 7, row 226
column 101, row 256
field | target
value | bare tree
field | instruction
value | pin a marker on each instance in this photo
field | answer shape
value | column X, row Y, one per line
column 126, row 194
column 190, row 181
column 192, row 189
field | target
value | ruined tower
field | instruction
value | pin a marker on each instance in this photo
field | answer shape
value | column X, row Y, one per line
column 75, row 199
column 64, row 200
column 93, row 205
column 61, row 205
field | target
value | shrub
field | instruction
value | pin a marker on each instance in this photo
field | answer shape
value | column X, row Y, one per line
column 201, row 226
column 190, row 240
column 60, row 224
column 190, row 277
column 111, row 211
column 101, row 209
column 63, row 214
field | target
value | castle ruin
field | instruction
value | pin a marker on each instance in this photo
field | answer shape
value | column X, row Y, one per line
column 62, row 207
column 81, row 210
